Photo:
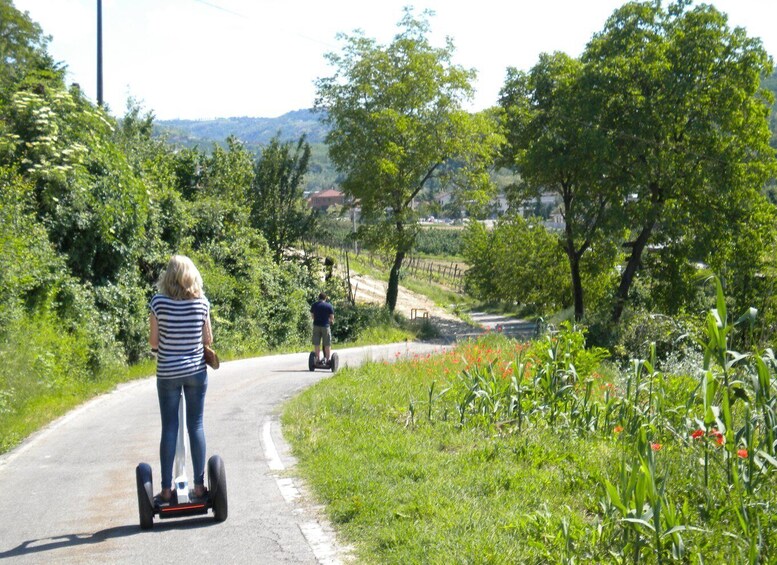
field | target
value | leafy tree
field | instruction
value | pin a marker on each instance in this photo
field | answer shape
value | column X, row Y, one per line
column 680, row 95
column 229, row 173
column 216, row 188
column 278, row 208
column 23, row 52
column 551, row 144
column 397, row 122
column 30, row 269
column 770, row 84
column 156, row 164
column 656, row 137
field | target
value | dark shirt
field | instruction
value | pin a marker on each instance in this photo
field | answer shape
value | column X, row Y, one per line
column 321, row 312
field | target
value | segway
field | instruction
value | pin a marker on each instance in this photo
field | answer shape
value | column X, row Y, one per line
column 183, row 503
column 333, row 364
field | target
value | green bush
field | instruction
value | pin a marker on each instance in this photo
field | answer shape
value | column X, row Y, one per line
column 639, row 330
column 352, row 320
column 518, row 263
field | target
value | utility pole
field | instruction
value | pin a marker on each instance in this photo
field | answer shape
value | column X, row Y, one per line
column 99, row 52
column 353, row 230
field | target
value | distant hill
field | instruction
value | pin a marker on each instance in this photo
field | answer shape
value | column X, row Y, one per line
column 252, row 131
column 256, row 133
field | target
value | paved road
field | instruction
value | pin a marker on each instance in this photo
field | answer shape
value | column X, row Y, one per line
column 507, row 325
column 67, row 495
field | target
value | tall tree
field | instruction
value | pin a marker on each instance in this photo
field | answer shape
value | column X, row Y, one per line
column 278, row 209
column 551, row 143
column 680, row 94
column 397, row 122
column 218, row 188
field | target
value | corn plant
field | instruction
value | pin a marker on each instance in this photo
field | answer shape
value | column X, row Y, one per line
column 651, row 522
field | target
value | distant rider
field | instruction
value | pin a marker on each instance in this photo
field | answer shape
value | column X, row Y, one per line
column 323, row 317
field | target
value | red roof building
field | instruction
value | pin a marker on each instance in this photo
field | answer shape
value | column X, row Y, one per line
column 326, row 198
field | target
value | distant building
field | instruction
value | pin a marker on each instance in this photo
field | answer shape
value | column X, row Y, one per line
column 326, row 198
column 444, row 198
column 556, row 221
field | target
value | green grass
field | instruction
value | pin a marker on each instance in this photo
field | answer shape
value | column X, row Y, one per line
column 408, row 476
column 405, row 488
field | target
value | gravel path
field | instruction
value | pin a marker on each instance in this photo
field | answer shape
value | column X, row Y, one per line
column 452, row 328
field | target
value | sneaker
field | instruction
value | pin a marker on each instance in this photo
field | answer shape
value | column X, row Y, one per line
column 203, row 497
column 159, row 501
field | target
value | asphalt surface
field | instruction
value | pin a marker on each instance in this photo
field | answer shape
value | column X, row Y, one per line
column 68, row 493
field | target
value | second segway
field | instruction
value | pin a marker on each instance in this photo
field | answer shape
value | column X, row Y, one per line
column 333, row 364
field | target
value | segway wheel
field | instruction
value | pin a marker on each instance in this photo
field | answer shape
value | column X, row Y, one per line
column 145, row 495
column 217, row 484
column 334, row 362
column 312, row 362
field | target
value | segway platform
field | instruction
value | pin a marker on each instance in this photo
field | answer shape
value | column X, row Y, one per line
column 182, row 502
column 333, row 364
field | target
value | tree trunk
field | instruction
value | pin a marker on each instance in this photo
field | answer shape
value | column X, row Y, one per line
column 573, row 255
column 634, row 260
column 393, row 284
column 577, row 284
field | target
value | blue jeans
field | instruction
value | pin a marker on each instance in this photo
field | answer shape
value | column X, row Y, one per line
column 169, row 392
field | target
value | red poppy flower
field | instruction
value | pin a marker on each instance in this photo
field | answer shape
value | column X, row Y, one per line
column 617, row 429
column 697, row 434
column 719, row 437
column 742, row 453
column 655, row 446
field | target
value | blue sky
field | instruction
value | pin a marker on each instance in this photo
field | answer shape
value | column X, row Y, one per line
column 222, row 58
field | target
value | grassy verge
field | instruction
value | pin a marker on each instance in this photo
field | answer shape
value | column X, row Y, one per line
column 405, row 483
column 497, row 453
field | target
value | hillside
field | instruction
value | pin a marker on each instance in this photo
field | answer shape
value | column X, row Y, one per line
column 255, row 133
column 252, row 131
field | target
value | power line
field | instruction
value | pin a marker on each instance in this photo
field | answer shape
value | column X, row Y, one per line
column 275, row 27
column 217, row 7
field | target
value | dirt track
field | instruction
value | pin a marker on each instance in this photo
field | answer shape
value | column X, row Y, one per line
column 451, row 328
column 372, row 291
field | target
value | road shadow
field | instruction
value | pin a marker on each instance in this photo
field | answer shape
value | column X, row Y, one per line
column 52, row 543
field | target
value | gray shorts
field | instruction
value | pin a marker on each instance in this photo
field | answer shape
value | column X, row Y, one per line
column 322, row 334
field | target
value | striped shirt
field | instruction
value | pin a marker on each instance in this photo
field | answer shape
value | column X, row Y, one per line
column 180, row 325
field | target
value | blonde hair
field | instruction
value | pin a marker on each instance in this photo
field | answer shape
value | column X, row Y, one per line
column 181, row 280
